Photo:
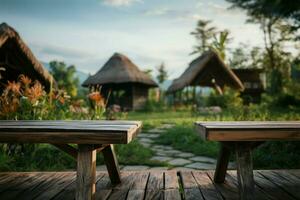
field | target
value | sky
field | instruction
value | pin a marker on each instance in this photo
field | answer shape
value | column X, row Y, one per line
column 87, row 32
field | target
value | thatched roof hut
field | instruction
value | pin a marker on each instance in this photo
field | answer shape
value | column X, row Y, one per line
column 17, row 59
column 254, row 81
column 208, row 70
column 119, row 73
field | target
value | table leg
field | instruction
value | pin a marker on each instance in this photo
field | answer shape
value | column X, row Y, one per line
column 112, row 164
column 245, row 170
column 86, row 172
column 222, row 163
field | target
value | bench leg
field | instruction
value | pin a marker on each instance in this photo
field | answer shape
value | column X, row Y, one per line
column 245, row 170
column 222, row 164
column 112, row 164
column 86, row 172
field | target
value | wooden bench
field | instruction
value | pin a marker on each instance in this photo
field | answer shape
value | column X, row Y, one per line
column 90, row 136
column 242, row 137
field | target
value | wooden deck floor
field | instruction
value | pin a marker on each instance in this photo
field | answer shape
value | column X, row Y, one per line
column 173, row 185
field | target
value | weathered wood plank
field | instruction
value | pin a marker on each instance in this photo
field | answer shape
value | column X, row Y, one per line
column 190, row 186
column 206, row 185
column 64, row 132
column 248, row 131
column 155, row 185
column 273, row 185
column 172, row 194
column 270, row 189
column 171, row 189
column 86, row 172
column 15, row 180
column 18, row 191
column 120, row 191
column 56, row 188
column 171, row 180
column 103, row 188
column 68, row 193
column 136, row 194
column 292, row 188
column 259, row 193
column 137, row 189
column 42, row 187
column 226, row 189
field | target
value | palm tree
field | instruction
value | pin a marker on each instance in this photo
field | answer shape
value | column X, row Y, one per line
column 203, row 34
column 219, row 44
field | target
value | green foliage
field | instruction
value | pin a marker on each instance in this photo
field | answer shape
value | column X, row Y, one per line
column 183, row 137
column 135, row 154
column 203, row 33
column 230, row 99
column 277, row 155
column 219, row 44
column 40, row 158
column 277, row 30
column 154, row 106
column 162, row 73
column 240, row 58
column 284, row 9
column 65, row 77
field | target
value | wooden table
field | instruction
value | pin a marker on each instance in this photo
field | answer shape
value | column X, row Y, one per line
column 243, row 137
column 90, row 137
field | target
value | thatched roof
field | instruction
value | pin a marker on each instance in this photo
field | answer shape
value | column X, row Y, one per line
column 17, row 58
column 119, row 69
column 205, row 71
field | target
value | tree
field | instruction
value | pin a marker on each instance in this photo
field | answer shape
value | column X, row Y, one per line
column 276, row 30
column 161, row 77
column 240, row 58
column 283, row 9
column 65, row 77
column 219, row 44
column 203, row 33
column 162, row 73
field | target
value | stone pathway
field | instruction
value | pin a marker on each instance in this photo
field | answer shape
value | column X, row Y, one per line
column 173, row 157
column 178, row 160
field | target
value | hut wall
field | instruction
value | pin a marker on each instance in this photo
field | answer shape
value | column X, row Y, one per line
column 140, row 96
column 254, row 83
column 118, row 94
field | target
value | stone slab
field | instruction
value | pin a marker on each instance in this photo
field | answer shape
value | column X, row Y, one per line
column 135, row 167
column 179, row 162
column 199, row 165
column 161, row 158
column 203, row 159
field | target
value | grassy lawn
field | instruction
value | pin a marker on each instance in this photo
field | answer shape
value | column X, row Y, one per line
column 182, row 136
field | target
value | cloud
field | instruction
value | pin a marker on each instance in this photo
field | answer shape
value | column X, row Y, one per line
column 158, row 11
column 118, row 3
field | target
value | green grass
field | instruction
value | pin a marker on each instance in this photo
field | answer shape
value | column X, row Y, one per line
column 271, row 155
column 184, row 137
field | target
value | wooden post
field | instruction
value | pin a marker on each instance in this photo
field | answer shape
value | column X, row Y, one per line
column 112, row 164
column 244, row 170
column 86, row 172
column 222, row 163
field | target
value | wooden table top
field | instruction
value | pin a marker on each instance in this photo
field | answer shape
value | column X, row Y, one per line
column 249, row 130
column 75, row 131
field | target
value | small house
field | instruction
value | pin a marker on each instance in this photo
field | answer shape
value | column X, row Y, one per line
column 208, row 70
column 254, row 81
column 121, row 82
column 16, row 58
